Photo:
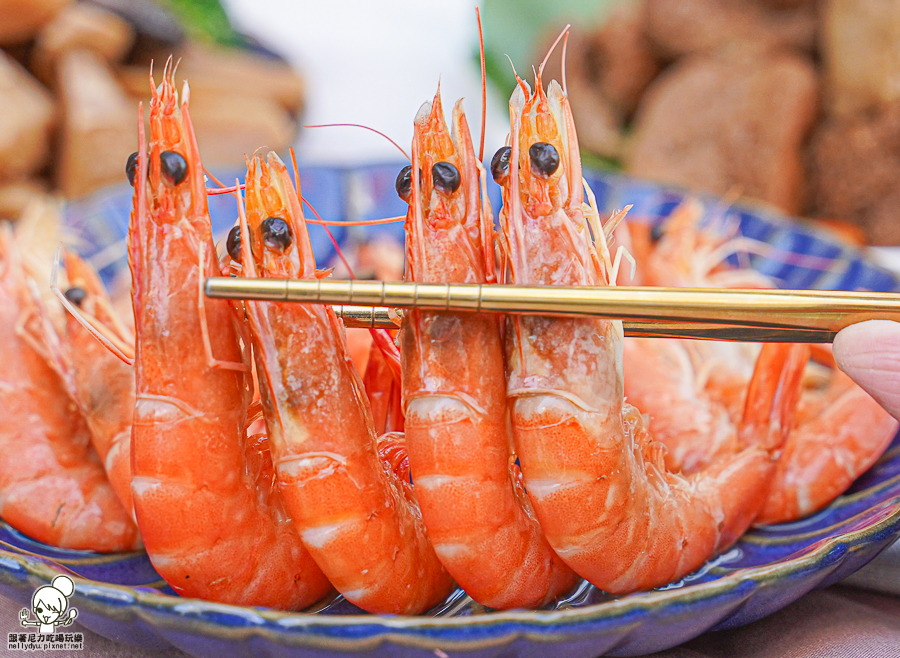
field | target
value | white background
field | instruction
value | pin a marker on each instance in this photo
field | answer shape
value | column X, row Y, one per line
column 373, row 62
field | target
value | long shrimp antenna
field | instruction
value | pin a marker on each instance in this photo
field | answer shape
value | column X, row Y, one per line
column 248, row 264
column 336, row 222
column 745, row 245
column 216, row 180
column 564, row 51
column 355, row 222
column 296, row 169
column 334, row 241
column 483, row 85
column 564, row 32
column 214, row 191
column 358, row 125
column 375, row 333
column 222, row 189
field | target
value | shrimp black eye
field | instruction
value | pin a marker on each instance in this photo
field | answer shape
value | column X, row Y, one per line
column 174, row 166
column 76, row 295
column 233, row 243
column 403, row 184
column 544, row 159
column 131, row 167
column 500, row 164
column 276, row 233
column 446, row 177
column 656, row 233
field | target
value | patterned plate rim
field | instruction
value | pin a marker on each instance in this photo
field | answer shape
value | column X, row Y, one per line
column 97, row 591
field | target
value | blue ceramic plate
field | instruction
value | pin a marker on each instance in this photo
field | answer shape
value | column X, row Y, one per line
column 121, row 597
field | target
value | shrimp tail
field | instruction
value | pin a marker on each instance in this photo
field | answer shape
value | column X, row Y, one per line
column 773, row 395
column 768, row 416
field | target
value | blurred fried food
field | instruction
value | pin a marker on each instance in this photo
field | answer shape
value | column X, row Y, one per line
column 686, row 27
column 855, row 171
column 98, row 126
column 726, row 121
column 25, row 121
column 16, row 195
column 71, row 77
column 792, row 102
column 861, row 50
column 80, row 26
column 23, row 18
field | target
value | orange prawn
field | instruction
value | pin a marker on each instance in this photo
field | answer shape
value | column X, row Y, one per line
column 454, row 390
column 102, row 383
column 212, row 523
column 52, row 485
column 596, row 479
column 356, row 515
column 838, row 432
column 694, row 391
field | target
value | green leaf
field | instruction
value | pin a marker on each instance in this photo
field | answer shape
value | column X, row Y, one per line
column 204, row 20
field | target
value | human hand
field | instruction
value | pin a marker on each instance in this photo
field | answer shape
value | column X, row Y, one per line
column 869, row 352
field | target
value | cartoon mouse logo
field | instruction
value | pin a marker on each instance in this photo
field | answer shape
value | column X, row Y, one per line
column 49, row 603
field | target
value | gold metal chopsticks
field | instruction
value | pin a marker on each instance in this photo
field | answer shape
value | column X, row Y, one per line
column 375, row 317
column 747, row 315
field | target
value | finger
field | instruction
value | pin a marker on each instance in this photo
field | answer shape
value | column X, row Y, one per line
column 870, row 353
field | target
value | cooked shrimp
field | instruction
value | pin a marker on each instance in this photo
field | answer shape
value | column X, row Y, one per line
column 212, row 524
column 693, row 391
column 354, row 514
column 52, row 485
column 839, row 433
column 103, row 385
column 454, row 389
column 605, row 502
column 839, row 430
